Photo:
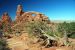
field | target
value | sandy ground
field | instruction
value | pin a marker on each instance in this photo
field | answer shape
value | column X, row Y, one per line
column 24, row 42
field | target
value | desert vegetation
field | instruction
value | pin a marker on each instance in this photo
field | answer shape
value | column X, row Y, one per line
column 57, row 34
column 47, row 33
column 29, row 31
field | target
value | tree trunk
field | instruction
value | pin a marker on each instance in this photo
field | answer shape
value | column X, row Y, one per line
column 65, row 38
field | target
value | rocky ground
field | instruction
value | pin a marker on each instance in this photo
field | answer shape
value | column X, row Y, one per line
column 25, row 42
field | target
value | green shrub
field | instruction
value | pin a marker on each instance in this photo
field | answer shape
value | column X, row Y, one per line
column 3, row 45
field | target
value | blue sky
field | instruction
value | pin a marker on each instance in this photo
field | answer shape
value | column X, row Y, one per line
column 54, row 9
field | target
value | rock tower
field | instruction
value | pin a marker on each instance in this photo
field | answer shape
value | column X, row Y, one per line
column 19, row 12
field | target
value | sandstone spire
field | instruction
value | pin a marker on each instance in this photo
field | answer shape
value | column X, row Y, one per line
column 19, row 10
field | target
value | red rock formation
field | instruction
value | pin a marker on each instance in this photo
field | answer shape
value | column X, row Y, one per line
column 6, row 19
column 19, row 12
column 29, row 16
column 6, row 22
